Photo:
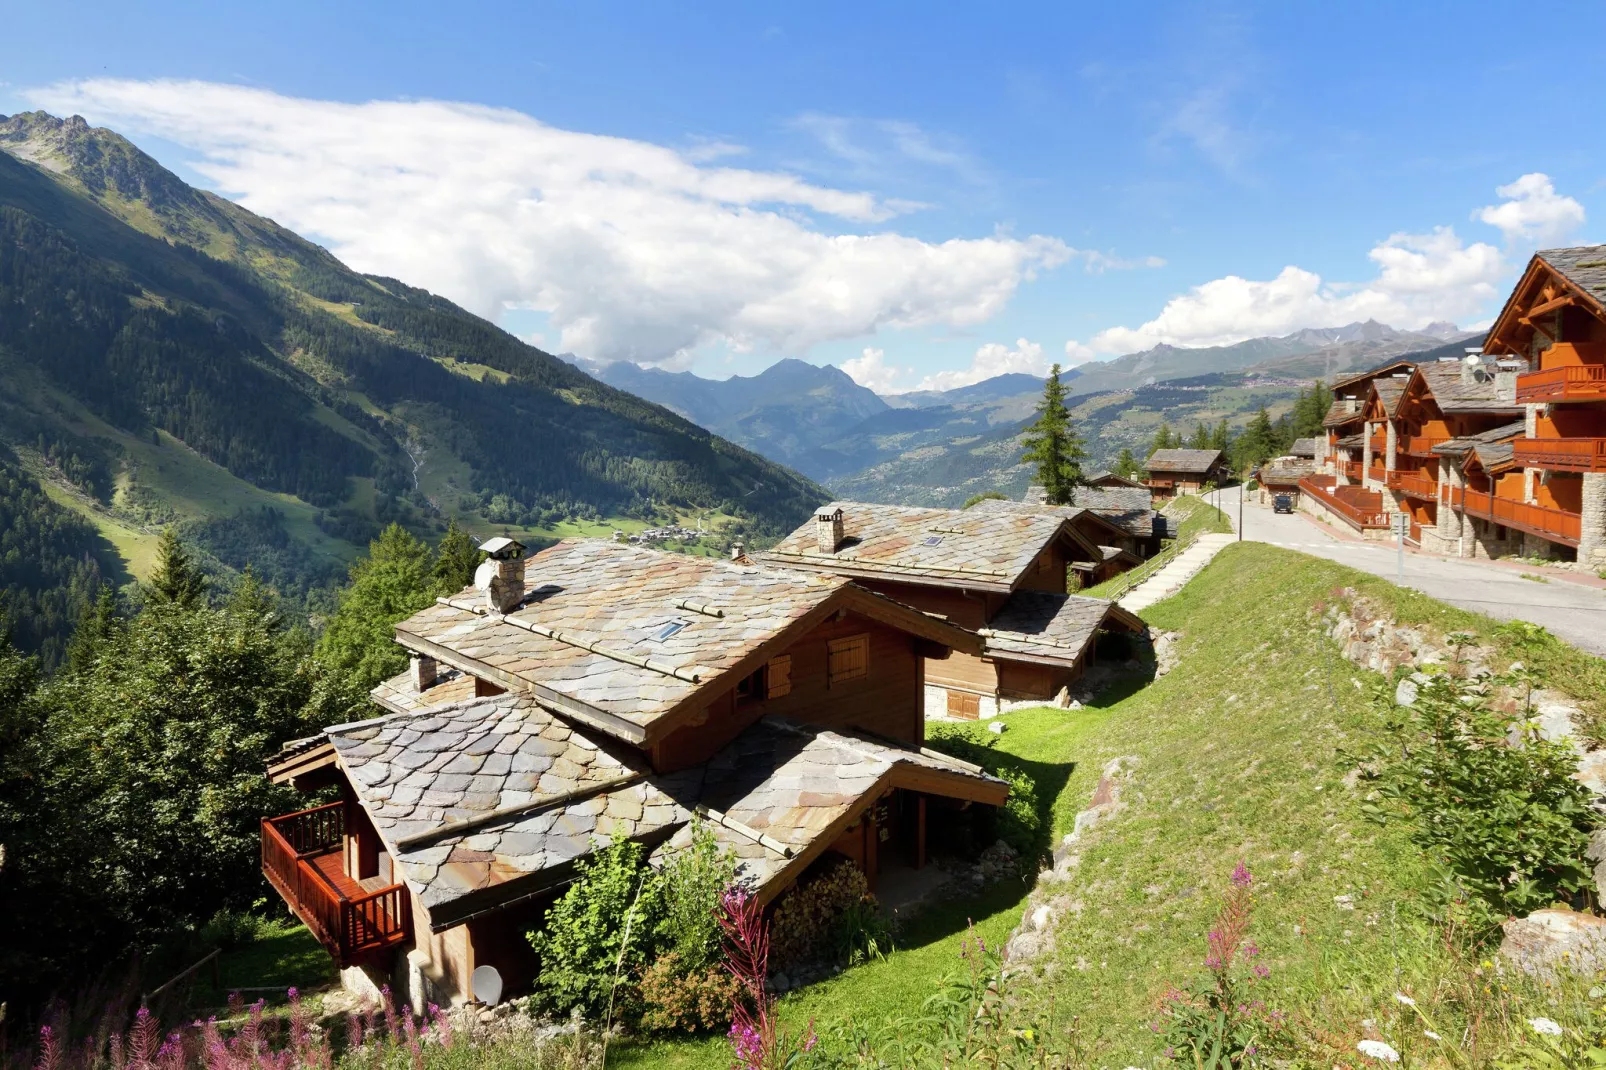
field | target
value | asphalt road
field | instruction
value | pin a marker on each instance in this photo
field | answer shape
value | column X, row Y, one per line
column 1571, row 611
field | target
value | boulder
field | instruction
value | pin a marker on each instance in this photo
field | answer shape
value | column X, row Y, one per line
column 1550, row 941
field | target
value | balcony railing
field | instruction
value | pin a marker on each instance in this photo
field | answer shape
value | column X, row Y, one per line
column 301, row 857
column 1378, row 474
column 1422, row 445
column 1577, row 382
column 1557, row 525
column 1414, row 483
column 1561, row 454
column 1351, row 469
column 1356, row 513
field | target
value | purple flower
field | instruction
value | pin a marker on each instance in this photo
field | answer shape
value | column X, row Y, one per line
column 1241, row 877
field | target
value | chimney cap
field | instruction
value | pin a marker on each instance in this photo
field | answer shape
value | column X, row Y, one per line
column 503, row 548
column 835, row 514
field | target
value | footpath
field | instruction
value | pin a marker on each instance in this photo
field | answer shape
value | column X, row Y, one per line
column 1170, row 579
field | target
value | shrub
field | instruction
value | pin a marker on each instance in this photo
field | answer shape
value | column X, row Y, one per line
column 1507, row 824
column 676, row 999
column 1020, row 819
column 691, row 885
column 832, row 919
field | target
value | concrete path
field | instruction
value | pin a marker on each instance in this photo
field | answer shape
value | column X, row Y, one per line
column 1570, row 605
column 1167, row 581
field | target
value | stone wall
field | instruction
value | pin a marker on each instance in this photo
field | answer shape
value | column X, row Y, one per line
column 1592, row 544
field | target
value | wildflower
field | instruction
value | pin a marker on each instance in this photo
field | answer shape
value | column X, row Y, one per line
column 1431, row 1035
column 1405, row 999
column 1545, row 1027
column 1376, row 1049
column 1262, row 972
column 1241, row 876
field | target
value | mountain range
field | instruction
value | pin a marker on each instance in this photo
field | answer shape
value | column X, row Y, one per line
column 170, row 357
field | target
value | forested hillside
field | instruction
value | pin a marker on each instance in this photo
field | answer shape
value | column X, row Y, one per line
column 157, row 339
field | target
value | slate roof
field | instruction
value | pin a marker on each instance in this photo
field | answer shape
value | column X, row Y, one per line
column 1286, row 472
column 1584, row 267
column 397, row 694
column 1110, row 478
column 1389, row 392
column 963, row 548
column 1393, row 365
column 1338, row 414
column 491, row 800
column 1185, row 461
column 1044, row 626
column 1443, row 380
column 1352, row 442
column 1455, row 446
column 1303, row 447
column 620, row 637
column 1127, row 520
column 1494, row 455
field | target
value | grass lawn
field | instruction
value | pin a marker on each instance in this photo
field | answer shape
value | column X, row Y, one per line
column 1240, row 753
column 283, row 955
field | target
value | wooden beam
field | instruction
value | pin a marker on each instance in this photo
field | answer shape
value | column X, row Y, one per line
column 1552, row 305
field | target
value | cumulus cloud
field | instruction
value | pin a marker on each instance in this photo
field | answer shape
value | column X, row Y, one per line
column 1533, row 215
column 992, row 359
column 1077, row 353
column 634, row 251
column 872, row 370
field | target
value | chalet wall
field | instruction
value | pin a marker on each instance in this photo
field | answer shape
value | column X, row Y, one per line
column 965, row 672
column 968, row 609
column 887, row 700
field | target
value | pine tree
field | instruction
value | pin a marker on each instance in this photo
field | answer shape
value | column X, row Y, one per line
column 176, row 581
column 1162, row 439
column 456, row 558
column 1256, row 444
column 1126, row 465
column 393, row 582
column 1051, row 443
column 1221, row 438
column 96, row 627
column 1201, row 437
column 1311, row 409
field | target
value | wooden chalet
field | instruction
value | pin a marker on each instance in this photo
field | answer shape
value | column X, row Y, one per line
column 595, row 690
column 1282, row 475
column 1172, row 472
column 1130, row 508
column 1502, row 452
column 1110, row 479
column 999, row 568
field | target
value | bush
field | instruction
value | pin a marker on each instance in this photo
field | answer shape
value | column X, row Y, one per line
column 676, row 999
column 1020, row 820
column 831, row 919
column 1507, row 824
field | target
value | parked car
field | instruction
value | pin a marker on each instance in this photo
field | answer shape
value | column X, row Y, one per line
column 1283, row 503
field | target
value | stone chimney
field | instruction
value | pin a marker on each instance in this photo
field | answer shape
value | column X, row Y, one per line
column 828, row 531
column 1505, row 379
column 425, row 670
column 1473, row 371
column 1352, row 405
column 738, row 551
column 503, row 580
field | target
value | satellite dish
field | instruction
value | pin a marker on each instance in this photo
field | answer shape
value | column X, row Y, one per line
column 486, row 985
column 1473, row 358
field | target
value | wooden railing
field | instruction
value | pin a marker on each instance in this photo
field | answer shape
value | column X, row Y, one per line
column 1351, row 469
column 1414, row 483
column 1561, row 454
column 1357, row 516
column 1378, row 474
column 349, row 926
column 1578, row 382
column 1557, row 525
column 1422, row 445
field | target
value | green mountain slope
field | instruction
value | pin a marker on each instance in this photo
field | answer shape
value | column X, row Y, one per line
column 203, row 363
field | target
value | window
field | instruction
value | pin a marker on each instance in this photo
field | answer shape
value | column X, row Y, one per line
column 751, row 687
column 778, row 678
column 933, row 540
column 847, row 659
column 670, row 629
column 962, row 704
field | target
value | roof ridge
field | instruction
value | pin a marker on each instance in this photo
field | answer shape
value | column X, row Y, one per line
column 580, row 642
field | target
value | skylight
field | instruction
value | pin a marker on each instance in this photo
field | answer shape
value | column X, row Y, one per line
column 933, row 540
column 670, row 629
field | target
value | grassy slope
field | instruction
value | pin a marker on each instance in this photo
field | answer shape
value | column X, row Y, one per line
column 1239, row 749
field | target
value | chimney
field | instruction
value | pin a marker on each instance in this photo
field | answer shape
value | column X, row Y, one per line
column 1472, row 367
column 1505, row 379
column 424, row 672
column 738, row 551
column 1352, row 405
column 504, row 580
column 828, row 531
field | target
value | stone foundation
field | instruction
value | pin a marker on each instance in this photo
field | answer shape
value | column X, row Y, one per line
column 937, row 705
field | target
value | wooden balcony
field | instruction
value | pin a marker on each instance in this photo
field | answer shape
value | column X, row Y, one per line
column 1359, row 508
column 1557, row 525
column 1415, row 483
column 1422, row 445
column 1351, row 469
column 303, row 858
column 1378, row 474
column 1577, row 382
column 1561, row 454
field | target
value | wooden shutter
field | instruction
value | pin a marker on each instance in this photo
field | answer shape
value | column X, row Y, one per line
column 847, row 658
column 964, row 704
column 778, row 681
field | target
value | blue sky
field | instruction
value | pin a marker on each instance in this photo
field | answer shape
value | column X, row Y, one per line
column 957, row 190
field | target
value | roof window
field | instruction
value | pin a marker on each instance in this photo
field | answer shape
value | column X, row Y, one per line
column 672, row 628
column 933, row 540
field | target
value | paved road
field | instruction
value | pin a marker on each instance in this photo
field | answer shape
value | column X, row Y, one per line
column 1571, row 611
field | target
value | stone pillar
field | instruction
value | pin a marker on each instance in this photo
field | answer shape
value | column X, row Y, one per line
column 1450, row 521
column 1592, row 527
column 1531, row 421
column 1366, row 455
column 1390, row 442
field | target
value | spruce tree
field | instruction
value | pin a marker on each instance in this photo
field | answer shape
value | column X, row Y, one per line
column 1126, row 465
column 1162, row 439
column 456, row 558
column 1053, row 445
column 176, row 581
column 1220, row 438
column 1201, row 437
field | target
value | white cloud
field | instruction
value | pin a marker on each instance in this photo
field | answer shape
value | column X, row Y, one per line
column 632, row 250
column 1077, row 353
column 992, row 359
column 872, row 370
column 1533, row 215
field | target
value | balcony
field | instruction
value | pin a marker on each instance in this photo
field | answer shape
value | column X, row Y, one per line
column 1361, row 509
column 1351, row 469
column 1414, row 483
column 1577, row 382
column 1557, row 525
column 303, row 858
column 1422, row 445
column 1377, row 474
column 1561, row 454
